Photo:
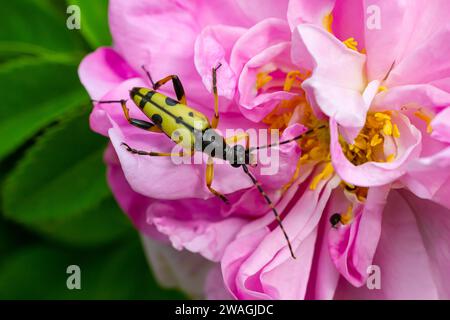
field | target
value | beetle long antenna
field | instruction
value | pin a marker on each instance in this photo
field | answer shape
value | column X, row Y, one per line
column 149, row 76
column 269, row 202
column 286, row 141
column 108, row 101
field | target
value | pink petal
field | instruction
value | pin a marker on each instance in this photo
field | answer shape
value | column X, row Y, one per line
column 280, row 166
column 199, row 236
column 305, row 11
column 255, row 265
column 213, row 46
column 420, row 23
column 428, row 62
column 441, row 126
column 103, row 116
column 132, row 203
column 382, row 47
column 262, row 35
column 324, row 275
column 103, row 70
column 349, row 21
column 407, row 272
column 433, row 222
column 178, row 269
column 256, row 106
column 263, row 9
column 265, row 45
column 215, row 287
column 138, row 36
column 332, row 89
column 372, row 173
column 424, row 96
column 410, row 26
column 352, row 246
column 429, row 177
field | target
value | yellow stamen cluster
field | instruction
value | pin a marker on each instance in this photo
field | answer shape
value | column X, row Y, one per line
column 280, row 116
column 277, row 119
column 369, row 144
column 315, row 146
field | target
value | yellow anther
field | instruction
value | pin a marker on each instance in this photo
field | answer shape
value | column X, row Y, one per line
column 387, row 128
column 314, row 145
column 382, row 116
column 390, row 158
column 328, row 22
column 369, row 154
column 422, row 116
column 347, row 216
column 351, row 186
column 382, row 88
column 351, row 43
column 326, row 173
column 290, row 79
column 262, row 78
column 396, row 132
column 376, row 140
column 361, row 144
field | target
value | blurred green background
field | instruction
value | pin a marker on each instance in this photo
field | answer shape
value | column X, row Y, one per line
column 56, row 207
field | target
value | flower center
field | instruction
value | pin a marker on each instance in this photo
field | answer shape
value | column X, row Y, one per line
column 369, row 144
column 315, row 145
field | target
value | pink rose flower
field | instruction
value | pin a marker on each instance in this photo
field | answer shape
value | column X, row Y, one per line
column 376, row 163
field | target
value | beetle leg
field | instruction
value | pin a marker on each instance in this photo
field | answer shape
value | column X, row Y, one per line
column 155, row 154
column 177, row 85
column 141, row 124
column 215, row 120
column 209, row 180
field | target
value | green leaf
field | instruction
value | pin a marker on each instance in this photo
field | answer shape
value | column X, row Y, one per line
column 126, row 270
column 61, row 176
column 35, row 93
column 11, row 237
column 94, row 21
column 31, row 26
column 99, row 225
column 39, row 272
column 34, row 272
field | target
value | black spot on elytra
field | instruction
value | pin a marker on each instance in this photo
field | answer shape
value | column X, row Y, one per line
column 171, row 102
column 191, row 114
column 142, row 104
column 179, row 120
column 157, row 119
column 149, row 95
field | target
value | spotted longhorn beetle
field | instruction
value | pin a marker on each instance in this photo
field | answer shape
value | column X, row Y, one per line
column 168, row 115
